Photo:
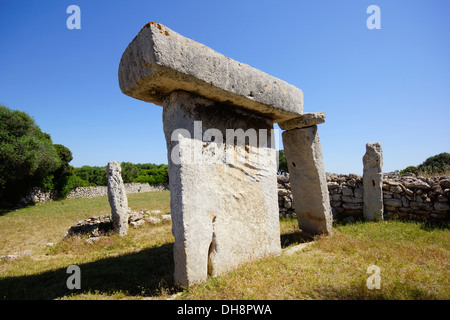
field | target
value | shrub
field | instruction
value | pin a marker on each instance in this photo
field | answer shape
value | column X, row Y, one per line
column 411, row 169
column 153, row 176
column 438, row 164
column 27, row 155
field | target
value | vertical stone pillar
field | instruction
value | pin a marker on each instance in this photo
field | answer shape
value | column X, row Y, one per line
column 307, row 175
column 117, row 198
column 373, row 182
column 224, row 203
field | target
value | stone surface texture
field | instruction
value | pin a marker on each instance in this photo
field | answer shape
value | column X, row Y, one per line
column 373, row 182
column 224, row 212
column 159, row 61
column 117, row 198
column 308, row 180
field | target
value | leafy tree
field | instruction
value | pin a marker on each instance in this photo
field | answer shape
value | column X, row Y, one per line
column 64, row 172
column 93, row 176
column 282, row 164
column 153, row 176
column 27, row 155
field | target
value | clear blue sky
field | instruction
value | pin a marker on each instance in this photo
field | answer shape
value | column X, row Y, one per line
column 390, row 85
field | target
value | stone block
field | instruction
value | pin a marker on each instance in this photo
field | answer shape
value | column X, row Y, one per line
column 159, row 61
column 373, row 181
column 305, row 120
column 308, row 180
column 117, row 198
column 224, row 210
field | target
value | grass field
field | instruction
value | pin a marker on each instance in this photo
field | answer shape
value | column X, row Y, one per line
column 413, row 259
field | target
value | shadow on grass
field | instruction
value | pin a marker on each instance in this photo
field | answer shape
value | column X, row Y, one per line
column 145, row 273
column 430, row 226
column 295, row 237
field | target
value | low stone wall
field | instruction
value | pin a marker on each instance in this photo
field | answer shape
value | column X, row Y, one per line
column 39, row 196
column 91, row 192
column 407, row 197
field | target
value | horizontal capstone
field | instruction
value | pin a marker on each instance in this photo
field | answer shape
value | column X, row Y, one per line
column 159, row 61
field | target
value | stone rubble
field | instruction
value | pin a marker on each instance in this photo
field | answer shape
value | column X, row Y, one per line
column 98, row 226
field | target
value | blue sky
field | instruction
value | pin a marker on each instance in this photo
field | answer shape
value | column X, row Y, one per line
column 390, row 85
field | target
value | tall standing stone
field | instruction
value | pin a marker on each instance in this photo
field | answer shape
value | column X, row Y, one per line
column 117, row 198
column 223, row 195
column 307, row 174
column 373, row 182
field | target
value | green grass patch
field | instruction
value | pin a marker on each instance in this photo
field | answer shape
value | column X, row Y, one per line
column 413, row 259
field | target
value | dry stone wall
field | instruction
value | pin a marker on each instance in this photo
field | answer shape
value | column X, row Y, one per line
column 39, row 196
column 408, row 197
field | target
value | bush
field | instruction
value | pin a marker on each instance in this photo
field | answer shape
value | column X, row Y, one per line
column 435, row 165
column 411, row 169
column 143, row 173
column 94, row 176
column 153, row 176
column 27, row 155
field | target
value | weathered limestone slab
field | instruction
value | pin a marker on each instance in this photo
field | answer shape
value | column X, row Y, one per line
column 308, row 180
column 117, row 198
column 224, row 201
column 305, row 120
column 373, row 182
column 159, row 61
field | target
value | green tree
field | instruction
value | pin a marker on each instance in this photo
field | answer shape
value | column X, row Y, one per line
column 282, row 164
column 61, row 176
column 27, row 155
column 154, row 176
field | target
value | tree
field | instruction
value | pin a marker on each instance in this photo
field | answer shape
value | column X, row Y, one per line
column 282, row 164
column 27, row 154
column 62, row 175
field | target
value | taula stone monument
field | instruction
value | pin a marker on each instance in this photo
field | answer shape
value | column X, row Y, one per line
column 218, row 117
column 373, row 182
column 117, row 198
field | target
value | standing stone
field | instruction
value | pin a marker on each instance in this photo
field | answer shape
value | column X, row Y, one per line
column 117, row 198
column 373, row 182
column 307, row 175
column 224, row 207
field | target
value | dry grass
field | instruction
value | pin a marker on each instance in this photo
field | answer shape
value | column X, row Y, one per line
column 413, row 258
column 414, row 263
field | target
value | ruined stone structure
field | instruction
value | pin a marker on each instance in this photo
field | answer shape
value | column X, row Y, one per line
column 218, row 116
column 117, row 198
